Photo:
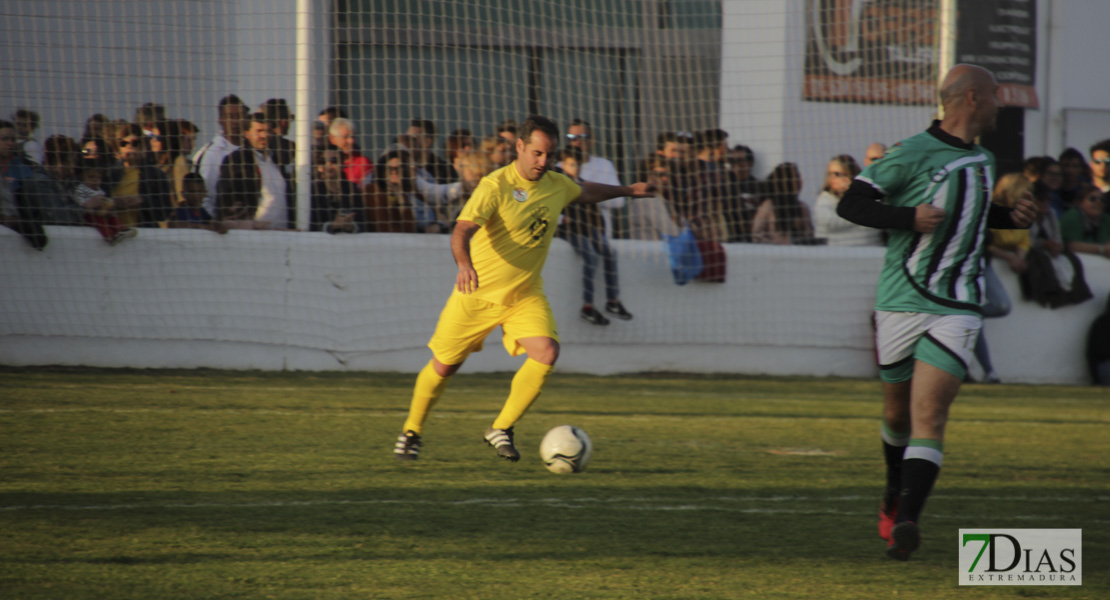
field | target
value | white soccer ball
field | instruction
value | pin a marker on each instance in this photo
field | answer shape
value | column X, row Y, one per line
column 566, row 449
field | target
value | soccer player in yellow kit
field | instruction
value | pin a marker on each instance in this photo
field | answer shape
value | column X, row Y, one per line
column 500, row 244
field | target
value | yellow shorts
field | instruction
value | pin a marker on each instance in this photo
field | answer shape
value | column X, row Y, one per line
column 465, row 322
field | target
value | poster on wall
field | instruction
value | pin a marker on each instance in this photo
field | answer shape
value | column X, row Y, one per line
column 1001, row 36
column 871, row 51
column 885, row 51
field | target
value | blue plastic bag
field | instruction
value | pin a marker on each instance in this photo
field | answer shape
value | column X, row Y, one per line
column 686, row 262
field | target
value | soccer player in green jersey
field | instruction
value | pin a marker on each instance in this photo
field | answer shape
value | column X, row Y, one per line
column 932, row 192
column 500, row 243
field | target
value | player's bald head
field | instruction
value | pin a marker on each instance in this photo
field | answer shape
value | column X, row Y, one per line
column 962, row 78
column 874, row 152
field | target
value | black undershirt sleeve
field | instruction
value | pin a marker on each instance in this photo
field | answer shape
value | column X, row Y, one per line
column 862, row 205
column 998, row 217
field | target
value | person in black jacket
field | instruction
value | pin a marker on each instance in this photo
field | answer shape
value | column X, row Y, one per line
column 425, row 133
column 1098, row 347
column 251, row 191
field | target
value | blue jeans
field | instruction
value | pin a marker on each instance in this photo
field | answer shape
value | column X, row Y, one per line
column 997, row 304
column 997, row 300
column 591, row 246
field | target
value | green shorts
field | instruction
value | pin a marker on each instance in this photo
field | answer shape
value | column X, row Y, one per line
column 945, row 341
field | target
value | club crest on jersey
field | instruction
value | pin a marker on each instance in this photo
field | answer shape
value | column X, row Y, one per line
column 520, row 195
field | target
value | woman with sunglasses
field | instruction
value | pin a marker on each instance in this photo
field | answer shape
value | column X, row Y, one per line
column 839, row 231
column 1100, row 165
column 139, row 190
column 336, row 202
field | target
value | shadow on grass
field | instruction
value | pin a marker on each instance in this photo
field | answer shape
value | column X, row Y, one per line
column 497, row 523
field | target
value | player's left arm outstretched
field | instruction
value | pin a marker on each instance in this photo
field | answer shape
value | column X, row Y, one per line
column 593, row 193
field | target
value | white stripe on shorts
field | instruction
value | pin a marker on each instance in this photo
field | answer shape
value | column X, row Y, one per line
column 897, row 334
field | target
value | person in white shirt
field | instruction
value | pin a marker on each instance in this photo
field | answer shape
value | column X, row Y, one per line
column 596, row 169
column 831, row 226
column 207, row 160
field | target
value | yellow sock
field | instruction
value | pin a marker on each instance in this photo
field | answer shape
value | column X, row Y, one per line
column 526, row 387
column 429, row 386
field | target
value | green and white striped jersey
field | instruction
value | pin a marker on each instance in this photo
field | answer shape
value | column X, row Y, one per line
column 938, row 272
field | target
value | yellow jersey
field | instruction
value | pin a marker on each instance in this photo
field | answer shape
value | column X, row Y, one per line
column 128, row 185
column 1009, row 239
column 517, row 219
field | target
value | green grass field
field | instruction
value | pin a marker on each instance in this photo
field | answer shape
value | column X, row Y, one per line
column 209, row 484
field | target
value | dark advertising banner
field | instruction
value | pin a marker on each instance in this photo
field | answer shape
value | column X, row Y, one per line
column 1001, row 35
column 871, row 51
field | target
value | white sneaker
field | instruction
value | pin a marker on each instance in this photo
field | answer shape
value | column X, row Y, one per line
column 502, row 441
column 408, row 446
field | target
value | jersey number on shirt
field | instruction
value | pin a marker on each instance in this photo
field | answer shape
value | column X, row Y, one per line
column 541, row 220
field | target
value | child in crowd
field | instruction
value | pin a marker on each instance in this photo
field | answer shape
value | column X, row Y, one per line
column 191, row 214
column 98, row 206
column 26, row 122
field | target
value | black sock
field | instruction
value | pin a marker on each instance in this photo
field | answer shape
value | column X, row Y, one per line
column 893, row 455
column 918, row 477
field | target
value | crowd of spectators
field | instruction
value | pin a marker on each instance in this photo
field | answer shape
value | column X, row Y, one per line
column 122, row 176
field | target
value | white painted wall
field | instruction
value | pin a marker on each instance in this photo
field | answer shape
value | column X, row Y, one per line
column 1072, row 86
column 310, row 301
column 82, row 303
column 267, row 53
column 762, row 72
column 69, row 59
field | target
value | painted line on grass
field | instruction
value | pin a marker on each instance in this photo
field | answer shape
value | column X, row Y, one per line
column 456, row 414
column 169, row 387
column 718, row 504
column 204, row 411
